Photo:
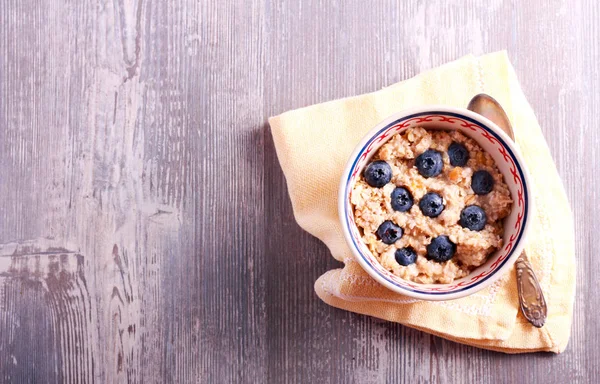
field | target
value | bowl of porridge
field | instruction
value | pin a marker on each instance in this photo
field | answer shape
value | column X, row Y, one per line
column 435, row 202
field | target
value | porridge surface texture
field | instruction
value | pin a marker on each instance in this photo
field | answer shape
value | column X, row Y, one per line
column 373, row 206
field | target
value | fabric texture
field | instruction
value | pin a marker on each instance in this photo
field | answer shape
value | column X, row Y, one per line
column 313, row 145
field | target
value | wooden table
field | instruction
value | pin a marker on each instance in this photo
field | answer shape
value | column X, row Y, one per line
column 146, row 228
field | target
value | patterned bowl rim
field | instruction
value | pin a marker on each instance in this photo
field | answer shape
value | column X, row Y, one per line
column 344, row 190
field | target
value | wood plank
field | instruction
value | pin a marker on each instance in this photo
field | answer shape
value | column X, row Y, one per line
column 45, row 309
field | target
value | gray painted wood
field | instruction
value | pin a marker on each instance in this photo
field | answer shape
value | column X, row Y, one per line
column 146, row 229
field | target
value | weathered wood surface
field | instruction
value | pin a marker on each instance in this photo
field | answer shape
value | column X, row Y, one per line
column 146, row 229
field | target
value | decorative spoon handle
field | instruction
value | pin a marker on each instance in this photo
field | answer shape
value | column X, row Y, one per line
column 531, row 297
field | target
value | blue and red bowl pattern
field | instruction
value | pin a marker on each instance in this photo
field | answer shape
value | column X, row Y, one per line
column 506, row 154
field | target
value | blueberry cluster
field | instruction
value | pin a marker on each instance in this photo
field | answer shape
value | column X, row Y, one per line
column 429, row 164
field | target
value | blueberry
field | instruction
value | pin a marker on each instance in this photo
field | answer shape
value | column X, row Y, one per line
column 441, row 249
column 378, row 173
column 482, row 182
column 401, row 199
column 431, row 204
column 405, row 256
column 458, row 154
column 473, row 217
column 389, row 232
column 429, row 163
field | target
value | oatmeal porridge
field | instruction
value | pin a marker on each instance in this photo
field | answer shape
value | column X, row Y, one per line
column 430, row 205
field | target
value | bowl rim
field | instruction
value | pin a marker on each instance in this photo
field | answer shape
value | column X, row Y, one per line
column 506, row 142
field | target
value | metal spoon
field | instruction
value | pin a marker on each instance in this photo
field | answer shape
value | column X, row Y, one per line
column 531, row 297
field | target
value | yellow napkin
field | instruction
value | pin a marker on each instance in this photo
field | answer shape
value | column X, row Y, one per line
column 313, row 145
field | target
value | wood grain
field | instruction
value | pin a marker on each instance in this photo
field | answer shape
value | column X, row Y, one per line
column 147, row 233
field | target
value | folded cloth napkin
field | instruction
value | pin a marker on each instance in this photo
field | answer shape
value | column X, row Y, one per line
column 313, row 145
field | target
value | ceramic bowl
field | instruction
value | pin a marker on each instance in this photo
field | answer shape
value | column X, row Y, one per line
column 510, row 163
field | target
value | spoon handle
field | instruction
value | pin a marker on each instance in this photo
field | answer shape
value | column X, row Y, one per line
column 531, row 297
